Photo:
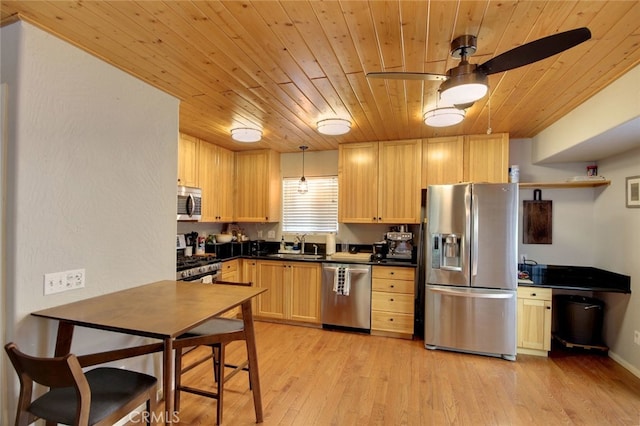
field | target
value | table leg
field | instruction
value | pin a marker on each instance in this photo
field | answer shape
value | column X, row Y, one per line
column 167, row 377
column 252, row 354
column 63, row 340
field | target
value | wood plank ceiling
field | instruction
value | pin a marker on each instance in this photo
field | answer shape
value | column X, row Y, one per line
column 283, row 65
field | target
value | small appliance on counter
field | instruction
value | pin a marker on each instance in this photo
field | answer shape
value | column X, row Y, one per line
column 400, row 245
column 379, row 251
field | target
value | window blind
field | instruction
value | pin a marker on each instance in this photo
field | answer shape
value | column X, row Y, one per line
column 313, row 211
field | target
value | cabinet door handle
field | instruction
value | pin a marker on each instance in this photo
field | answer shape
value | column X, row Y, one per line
column 548, row 307
column 391, row 319
column 392, row 286
column 391, row 300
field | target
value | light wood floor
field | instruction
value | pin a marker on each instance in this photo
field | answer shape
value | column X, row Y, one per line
column 318, row 377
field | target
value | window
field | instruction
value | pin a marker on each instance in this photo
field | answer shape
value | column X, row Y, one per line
column 313, row 211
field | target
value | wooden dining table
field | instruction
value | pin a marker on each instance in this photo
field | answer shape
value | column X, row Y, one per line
column 161, row 310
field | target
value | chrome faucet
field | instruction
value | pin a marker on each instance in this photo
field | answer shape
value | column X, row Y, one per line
column 315, row 249
column 300, row 238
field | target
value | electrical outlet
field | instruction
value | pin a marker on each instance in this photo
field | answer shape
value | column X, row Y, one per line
column 74, row 279
column 260, row 235
column 636, row 337
column 57, row 282
column 271, row 234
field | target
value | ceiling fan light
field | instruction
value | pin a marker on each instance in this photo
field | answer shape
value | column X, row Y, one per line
column 246, row 135
column 443, row 117
column 463, row 86
column 334, row 126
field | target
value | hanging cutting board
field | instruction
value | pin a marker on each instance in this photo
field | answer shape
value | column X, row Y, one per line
column 537, row 220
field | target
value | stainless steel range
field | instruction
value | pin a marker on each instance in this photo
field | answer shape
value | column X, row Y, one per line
column 198, row 268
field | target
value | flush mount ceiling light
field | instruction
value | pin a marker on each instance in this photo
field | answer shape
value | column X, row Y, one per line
column 302, row 185
column 245, row 134
column 443, row 117
column 334, row 126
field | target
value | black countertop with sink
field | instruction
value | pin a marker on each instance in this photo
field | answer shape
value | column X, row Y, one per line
column 585, row 278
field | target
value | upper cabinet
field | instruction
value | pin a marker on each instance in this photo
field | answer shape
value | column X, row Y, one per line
column 473, row 158
column 442, row 160
column 215, row 166
column 379, row 182
column 486, row 158
column 188, row 160
column 258, row 186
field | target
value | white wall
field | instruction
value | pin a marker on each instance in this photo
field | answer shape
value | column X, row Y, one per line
column 572, row 210
column 617, row 248
column 91, row 169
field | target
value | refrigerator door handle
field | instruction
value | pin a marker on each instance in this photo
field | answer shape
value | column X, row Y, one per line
column 465, row 293
column 474, row 249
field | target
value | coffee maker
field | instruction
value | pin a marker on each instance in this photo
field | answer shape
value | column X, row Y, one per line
column 400, row 245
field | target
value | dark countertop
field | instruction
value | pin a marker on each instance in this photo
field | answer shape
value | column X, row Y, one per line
column 324, row 259
column 584, row 278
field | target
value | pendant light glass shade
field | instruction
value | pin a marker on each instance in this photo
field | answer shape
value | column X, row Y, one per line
column 443, row 117
column 334, row 126
column 245, row 134
column 302, row 185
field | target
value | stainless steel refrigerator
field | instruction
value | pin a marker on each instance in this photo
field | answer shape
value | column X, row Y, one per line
column 471, row 268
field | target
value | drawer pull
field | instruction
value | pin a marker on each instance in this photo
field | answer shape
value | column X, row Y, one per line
column 391, row 300
column 391, row 319
column 392, row 286
column 533, row 294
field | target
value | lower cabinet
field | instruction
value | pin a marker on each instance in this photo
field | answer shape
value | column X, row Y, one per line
column 534, row 320
column 293, row 291
column 231, row 272
column 392, row 301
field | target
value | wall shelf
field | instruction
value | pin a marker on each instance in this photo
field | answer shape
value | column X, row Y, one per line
column 557, row 185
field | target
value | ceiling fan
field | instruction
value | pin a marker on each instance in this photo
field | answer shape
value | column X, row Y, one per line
column 466, row 83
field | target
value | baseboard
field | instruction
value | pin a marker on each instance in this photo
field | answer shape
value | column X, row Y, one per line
column 617, row 358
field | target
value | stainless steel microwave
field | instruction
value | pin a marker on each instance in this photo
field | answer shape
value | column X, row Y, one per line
column 189, row 203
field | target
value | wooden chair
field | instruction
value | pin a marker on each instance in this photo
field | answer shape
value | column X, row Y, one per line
column 215, row 333
column 101, row 396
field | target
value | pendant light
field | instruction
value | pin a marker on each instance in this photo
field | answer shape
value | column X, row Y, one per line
column 302, row 185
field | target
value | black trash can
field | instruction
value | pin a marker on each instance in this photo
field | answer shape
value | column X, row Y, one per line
column 580, row 319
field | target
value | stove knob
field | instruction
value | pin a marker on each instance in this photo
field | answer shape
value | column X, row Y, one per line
column 201, row 269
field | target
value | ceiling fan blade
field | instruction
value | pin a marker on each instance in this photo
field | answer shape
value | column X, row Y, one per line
column 535, row 51
column 407, row 76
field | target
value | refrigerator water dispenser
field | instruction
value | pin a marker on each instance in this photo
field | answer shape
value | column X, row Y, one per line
column 446, row 252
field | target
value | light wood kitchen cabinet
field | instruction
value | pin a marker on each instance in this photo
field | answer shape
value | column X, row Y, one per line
column 231, row 270
column 188, row 160
column 258, row 186
column 534, row 320
column 215, row 173
column 250, row 275
column 442, row 160
column 486, row 158
column 293, row 291
column 379, row 182
column 392, row 301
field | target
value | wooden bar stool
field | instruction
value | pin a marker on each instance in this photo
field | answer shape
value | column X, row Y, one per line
column 215, row 333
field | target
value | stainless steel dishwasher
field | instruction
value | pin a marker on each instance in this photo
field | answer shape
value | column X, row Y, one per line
column 346, row 296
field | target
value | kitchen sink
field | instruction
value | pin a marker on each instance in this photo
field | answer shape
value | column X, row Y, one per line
column 297, row 256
